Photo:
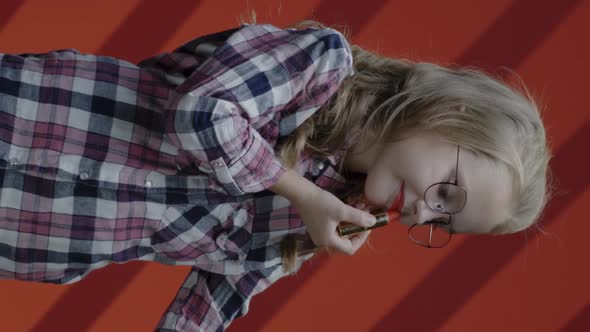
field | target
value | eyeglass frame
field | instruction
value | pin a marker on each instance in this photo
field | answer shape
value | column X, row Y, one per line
column 432, row 223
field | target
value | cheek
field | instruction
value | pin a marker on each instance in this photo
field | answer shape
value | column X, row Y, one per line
column 378, row 187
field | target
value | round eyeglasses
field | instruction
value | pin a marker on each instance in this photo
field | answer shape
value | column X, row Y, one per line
column 445, row 198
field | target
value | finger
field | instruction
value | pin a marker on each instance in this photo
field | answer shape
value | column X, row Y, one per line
column 358, row 217
column 343, row 245
column 351, row 244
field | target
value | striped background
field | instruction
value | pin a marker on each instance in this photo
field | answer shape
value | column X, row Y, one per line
column 526, row 282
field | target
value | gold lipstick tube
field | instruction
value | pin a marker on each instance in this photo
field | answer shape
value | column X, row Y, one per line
column 383, row 218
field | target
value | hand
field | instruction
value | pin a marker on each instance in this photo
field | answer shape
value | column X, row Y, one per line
column 321, row 212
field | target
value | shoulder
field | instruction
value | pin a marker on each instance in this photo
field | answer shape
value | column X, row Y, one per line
column 329, row 36
column 268, row 33
column 323, row 49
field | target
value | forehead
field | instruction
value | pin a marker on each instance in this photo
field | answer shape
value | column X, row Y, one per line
column 489, row 193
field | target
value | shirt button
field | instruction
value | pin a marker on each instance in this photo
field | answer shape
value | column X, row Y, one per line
column 13, row 162
column 217, row 164
column 321, row 165
column 84, row 175
column 148, row 184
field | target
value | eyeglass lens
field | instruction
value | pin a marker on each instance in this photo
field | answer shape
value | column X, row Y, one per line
column 430, row 235
column 445, row 198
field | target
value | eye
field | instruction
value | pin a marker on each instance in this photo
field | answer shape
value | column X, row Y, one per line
column 443, row 192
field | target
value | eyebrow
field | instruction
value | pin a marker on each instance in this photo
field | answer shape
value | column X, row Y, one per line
column 461, row 174
column 463, row 184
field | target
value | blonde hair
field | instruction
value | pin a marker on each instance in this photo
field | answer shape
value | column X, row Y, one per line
column 392, row 99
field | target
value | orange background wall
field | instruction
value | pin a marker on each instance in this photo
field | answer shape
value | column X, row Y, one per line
column 536, row 281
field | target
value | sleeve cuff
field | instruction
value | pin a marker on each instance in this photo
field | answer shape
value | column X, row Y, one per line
column 256, row 170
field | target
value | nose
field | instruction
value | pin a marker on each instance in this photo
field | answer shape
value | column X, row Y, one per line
column 423, row 213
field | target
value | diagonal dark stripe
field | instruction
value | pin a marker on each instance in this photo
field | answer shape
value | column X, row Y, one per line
column 516, row 33
column 78, row 308
column 147, row 28
column 427, row 298
column 148, row 37
column 579, row 323
column 441, row 293
column 267, row 304
column 9, row 7
column 355, row 14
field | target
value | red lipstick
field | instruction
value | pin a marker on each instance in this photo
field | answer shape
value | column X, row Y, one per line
column 398, row 202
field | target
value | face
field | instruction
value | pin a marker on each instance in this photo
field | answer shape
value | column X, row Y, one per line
column 423, row 160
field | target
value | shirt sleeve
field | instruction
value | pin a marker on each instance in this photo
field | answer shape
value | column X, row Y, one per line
column 175, row 67
column 257, row 86
column 208, row 301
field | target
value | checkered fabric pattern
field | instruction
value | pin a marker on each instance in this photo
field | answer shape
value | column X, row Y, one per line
column 103, row 161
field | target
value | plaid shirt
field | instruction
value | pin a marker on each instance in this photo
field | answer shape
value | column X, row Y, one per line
column 105, row 161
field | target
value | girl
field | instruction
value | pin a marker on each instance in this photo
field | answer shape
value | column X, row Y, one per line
column 235, row 154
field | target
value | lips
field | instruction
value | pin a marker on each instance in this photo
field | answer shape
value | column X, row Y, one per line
column 398, row 202
column 394, row 211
